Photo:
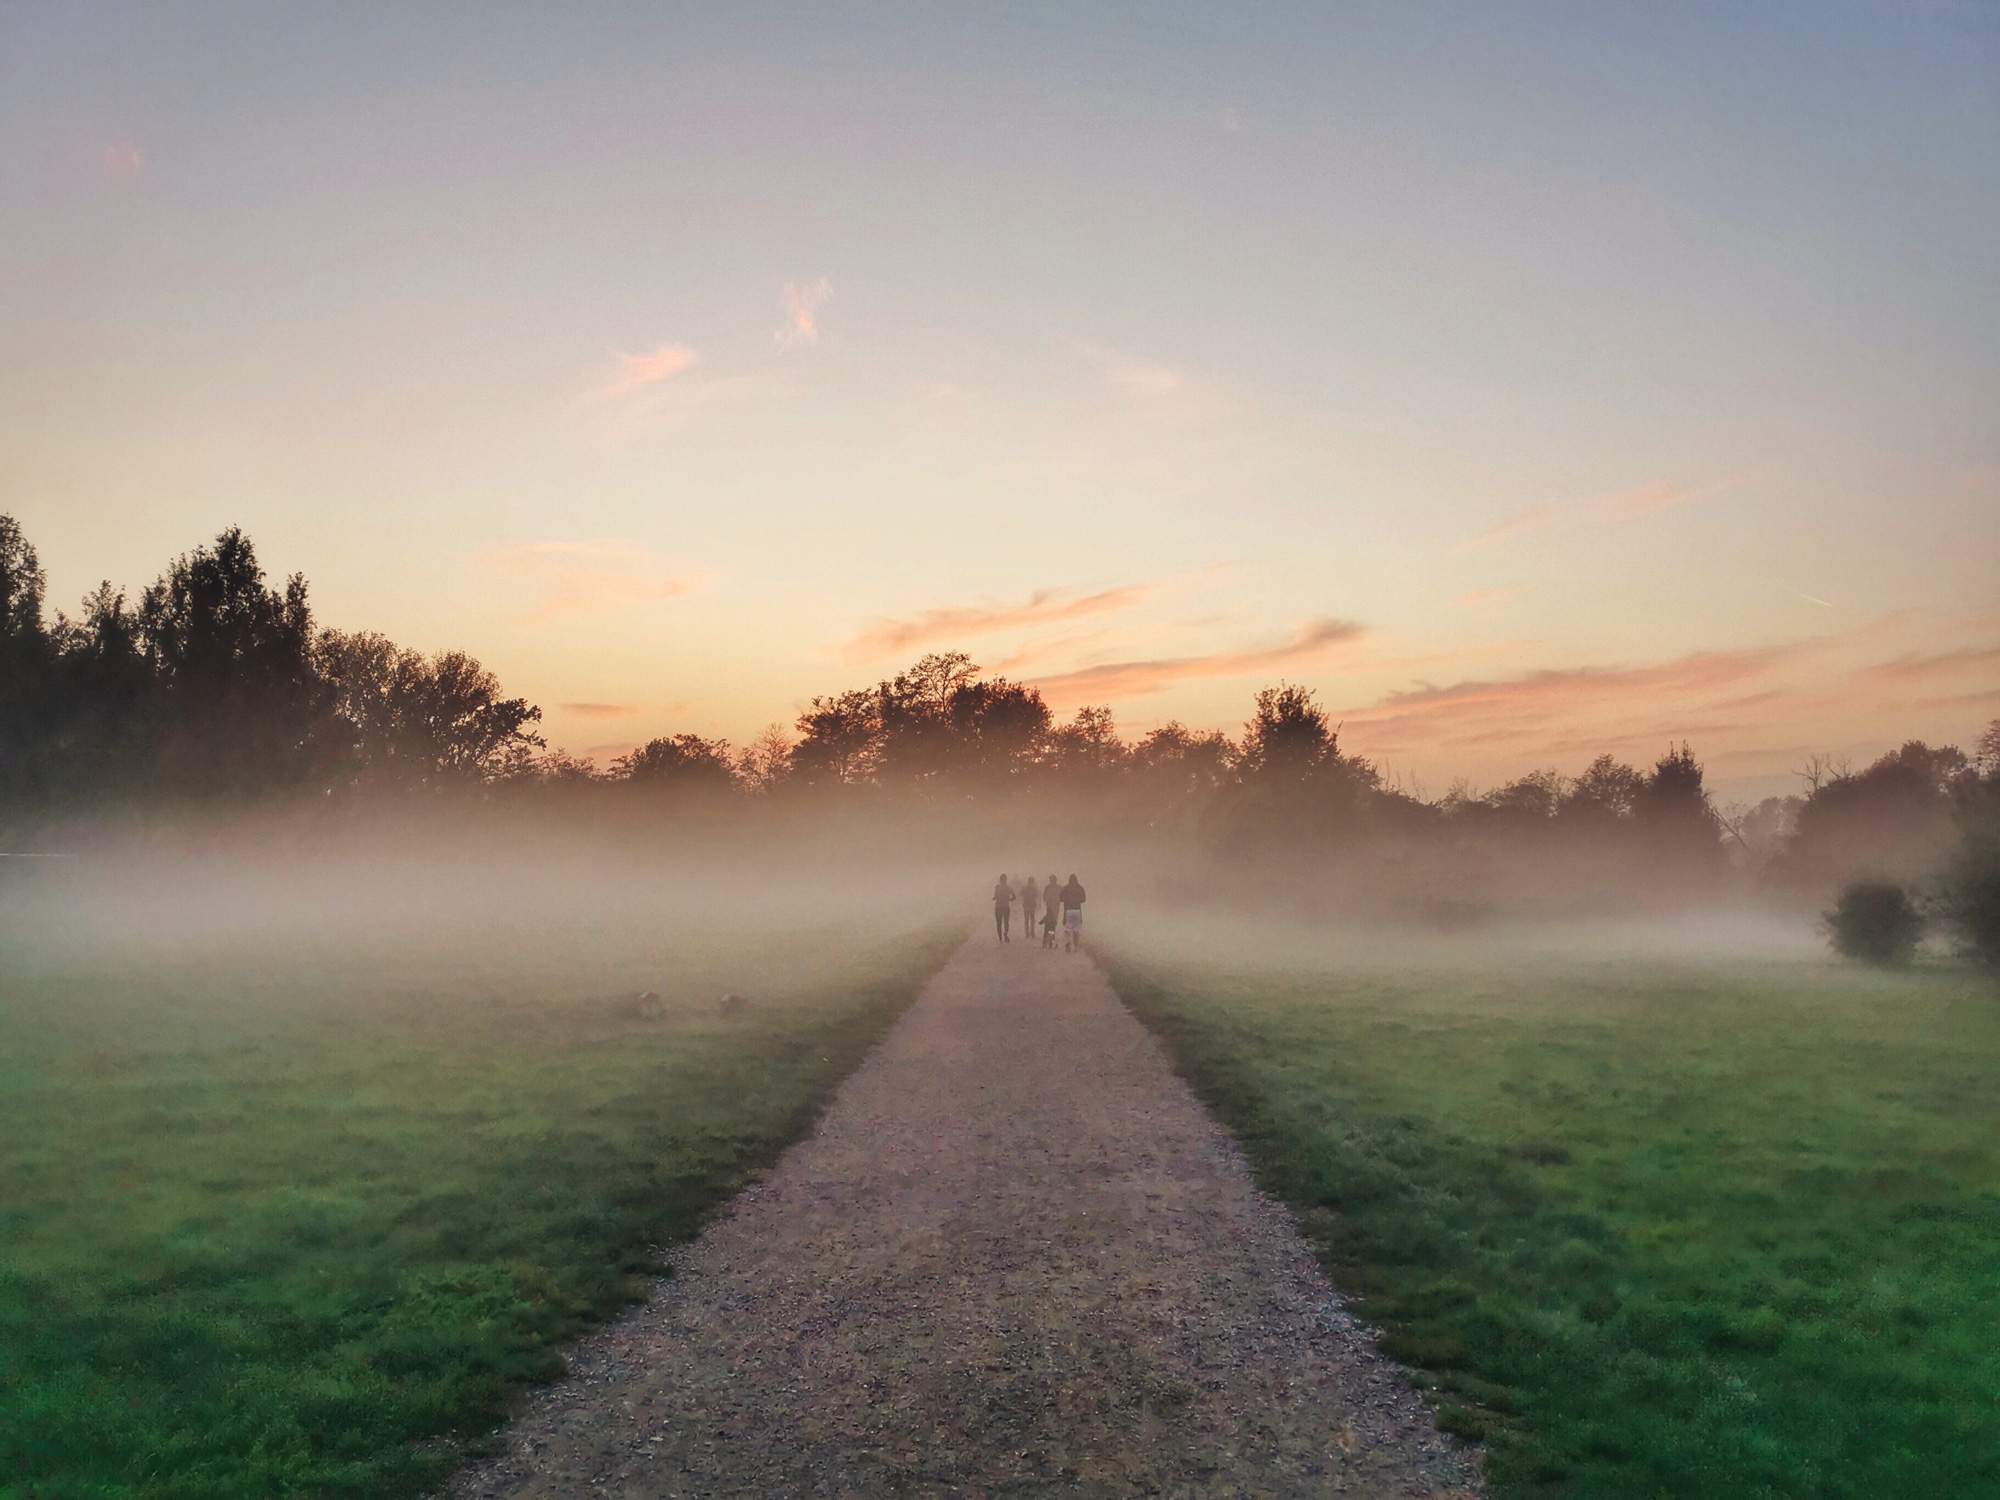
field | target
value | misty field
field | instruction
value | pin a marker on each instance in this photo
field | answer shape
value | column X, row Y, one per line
column 1686, row 1220
column 292, row 1213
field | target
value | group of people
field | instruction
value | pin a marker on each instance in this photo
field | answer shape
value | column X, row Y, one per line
column 1059, row 906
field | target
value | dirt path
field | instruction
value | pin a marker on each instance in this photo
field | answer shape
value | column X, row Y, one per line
column 1017, row 1258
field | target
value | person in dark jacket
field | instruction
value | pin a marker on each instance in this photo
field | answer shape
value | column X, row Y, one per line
column 1072, row 902
column 1003, row 909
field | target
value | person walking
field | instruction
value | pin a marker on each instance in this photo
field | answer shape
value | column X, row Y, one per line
column 1072, row 903
column 1051, row 911
column 1031, row 904
column 1003, row 909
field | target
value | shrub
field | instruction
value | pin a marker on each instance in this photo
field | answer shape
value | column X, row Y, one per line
column 1876, row 922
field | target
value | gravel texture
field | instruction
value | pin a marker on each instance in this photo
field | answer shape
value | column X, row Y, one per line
column 1016, row 1258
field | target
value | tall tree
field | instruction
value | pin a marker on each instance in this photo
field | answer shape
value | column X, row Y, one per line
column 1287, row 738
column 24, row 668
column 1672, row 812
column 245, row 708
column 918, row 741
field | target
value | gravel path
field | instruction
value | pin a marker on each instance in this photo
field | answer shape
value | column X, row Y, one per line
column 1017, row 1258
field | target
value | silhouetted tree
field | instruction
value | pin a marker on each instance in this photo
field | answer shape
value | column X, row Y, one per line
column 765, row 764
column 1761, row 832
column 423, row 721
column 1287, row 738
column 681, row 763
column 106, row 721
column 839, row 740
column 1969, row 890
column 243, row 707
column 913, row 714
column 1176, row 773
column 1607, row 791
column 996, row 728
column 25, row 658
column 1893, row 819
column 1086, row 749
column 1293, row 782
column 1533, row 799
column 932, row 727
column 1672, row 815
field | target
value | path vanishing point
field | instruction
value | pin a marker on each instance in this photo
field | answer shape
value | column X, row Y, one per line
column 1017, row 1257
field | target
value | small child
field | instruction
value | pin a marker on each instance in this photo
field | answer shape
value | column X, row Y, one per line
column 1049, row 920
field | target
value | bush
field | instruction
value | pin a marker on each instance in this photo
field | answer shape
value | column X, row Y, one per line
column 1875, row 922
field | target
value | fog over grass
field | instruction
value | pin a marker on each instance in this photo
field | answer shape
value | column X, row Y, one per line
column 308, row 1160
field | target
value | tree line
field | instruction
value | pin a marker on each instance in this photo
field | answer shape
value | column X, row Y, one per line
column 217, row 686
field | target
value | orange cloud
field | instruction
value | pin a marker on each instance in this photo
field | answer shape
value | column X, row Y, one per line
column 640, row 370
column 1043, row 607
column 1748, row 704
column 1561, row 515
column 802, row 304
column 1131, row 679
column 585, row 577
column 1533, row 705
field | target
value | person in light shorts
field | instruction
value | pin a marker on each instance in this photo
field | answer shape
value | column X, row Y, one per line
column 1072, row 900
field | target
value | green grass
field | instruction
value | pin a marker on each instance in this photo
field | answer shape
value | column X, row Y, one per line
column 1653, row 1227
column 288, row 1218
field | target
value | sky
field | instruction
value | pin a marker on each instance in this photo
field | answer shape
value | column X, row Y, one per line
column 1530, row 381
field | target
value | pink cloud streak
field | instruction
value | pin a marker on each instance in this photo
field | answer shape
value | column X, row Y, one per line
column 1130, row 679
column 963, row 622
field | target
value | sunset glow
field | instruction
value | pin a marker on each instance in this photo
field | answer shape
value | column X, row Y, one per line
column 1531, row 382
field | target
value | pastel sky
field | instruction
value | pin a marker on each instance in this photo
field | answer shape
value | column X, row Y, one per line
column 1529, row 380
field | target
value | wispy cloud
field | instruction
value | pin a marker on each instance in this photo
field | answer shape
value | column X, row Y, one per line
column 1930, row 664
column 602, row 710
column 1842, row 678
column 802, row 301
column 1701, row 671
column 637, row 371
column 966, row 622
column 1130, row 679
column 1604, row 510
column 586, row 577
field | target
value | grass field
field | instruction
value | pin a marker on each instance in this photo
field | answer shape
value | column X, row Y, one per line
column 1656, row 1224
column 294, row 1215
